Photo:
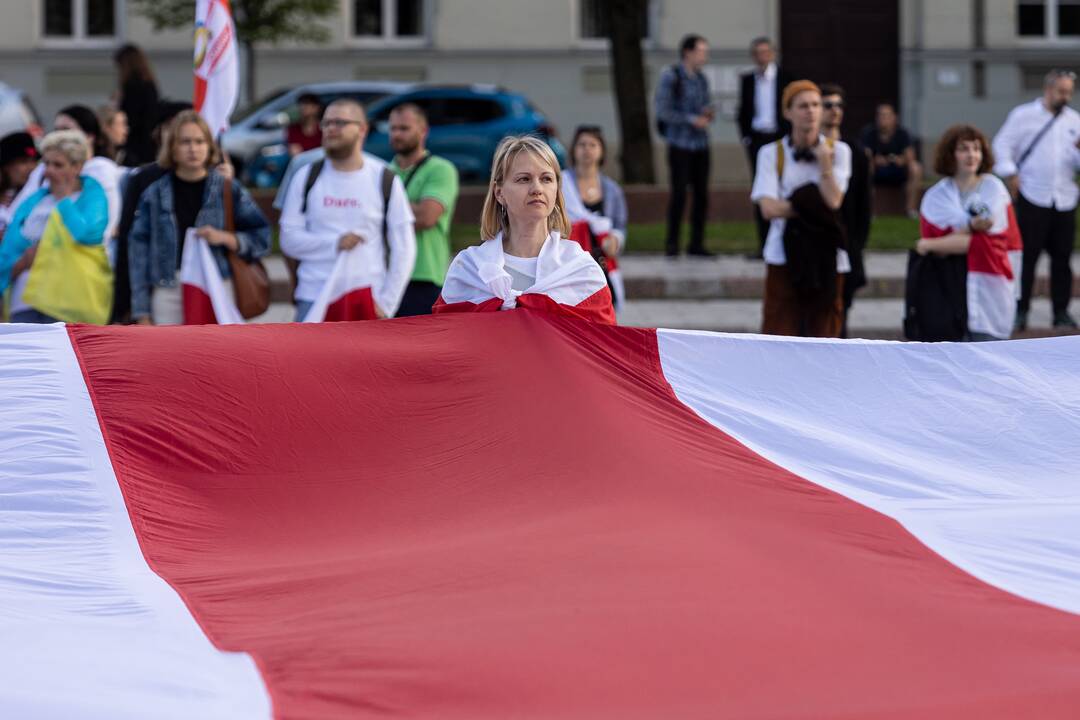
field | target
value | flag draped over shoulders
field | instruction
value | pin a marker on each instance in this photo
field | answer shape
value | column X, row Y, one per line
column 568, row 281
column 991, row 290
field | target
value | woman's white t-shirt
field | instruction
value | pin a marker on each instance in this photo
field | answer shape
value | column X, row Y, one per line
column 522, row 271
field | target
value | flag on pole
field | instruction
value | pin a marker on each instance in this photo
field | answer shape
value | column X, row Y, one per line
column 206, row 298
column 217, row 75
column 516, row 514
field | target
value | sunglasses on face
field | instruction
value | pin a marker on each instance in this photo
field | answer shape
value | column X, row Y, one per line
column 833, row 105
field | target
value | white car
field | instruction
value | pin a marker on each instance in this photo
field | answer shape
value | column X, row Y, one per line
column 17, row 113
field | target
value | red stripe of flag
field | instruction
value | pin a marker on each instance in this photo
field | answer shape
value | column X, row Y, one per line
column 511, row 515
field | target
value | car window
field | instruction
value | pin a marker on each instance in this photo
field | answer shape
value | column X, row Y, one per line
column 29, row 112
column 265, row 100
column 364, row 98
column 432, row 107
column 470, row 111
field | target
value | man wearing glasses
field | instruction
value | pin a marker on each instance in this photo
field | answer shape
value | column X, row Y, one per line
column 349, row 200
column 1036, row 152
column 857, row 209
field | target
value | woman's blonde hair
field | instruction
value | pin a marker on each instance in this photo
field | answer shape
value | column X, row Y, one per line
column 493, row 219
column 166, row 155
column 72, row 144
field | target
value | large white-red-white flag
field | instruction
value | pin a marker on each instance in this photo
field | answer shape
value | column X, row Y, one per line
column 217, row 74
column 518, row 514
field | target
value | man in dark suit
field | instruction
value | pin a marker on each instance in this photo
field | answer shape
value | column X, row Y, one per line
column 761, row 119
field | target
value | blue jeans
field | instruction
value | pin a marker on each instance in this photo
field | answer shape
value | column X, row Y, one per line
column 30, row 315
column 302, row 307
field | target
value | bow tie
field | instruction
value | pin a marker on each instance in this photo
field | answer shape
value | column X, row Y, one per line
column 803, row 155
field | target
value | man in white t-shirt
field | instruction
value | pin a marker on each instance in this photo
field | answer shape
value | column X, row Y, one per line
column 345, row 209
column 792, row 306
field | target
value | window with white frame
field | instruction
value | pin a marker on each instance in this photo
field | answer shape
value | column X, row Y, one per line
column 80, row 19
column 593, row 19
column 1049, row 19
column 388, row 19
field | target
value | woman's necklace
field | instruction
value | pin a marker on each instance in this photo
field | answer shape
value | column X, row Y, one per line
column 589, row 189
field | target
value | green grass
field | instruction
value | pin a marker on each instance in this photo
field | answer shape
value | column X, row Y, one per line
column 886, row 233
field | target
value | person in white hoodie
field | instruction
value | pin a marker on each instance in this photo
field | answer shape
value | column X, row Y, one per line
column 353, row 206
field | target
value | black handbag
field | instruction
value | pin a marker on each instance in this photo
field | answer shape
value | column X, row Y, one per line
column 935, row 297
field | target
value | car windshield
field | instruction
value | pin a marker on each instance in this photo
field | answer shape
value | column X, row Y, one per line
column 249, row 109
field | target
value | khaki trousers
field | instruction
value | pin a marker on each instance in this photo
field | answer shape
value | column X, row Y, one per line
column 787, row 313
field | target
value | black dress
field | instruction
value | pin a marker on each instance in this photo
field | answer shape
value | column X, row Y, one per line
column 139, row 101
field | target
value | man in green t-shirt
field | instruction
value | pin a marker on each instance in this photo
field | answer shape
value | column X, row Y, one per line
column 432, row 186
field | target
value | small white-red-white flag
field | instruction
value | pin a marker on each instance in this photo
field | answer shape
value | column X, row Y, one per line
column 346, row 294
column 206, row 298
column 217, row 74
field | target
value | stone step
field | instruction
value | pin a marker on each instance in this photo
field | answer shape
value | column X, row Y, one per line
column 656, row 277
column 732, row 277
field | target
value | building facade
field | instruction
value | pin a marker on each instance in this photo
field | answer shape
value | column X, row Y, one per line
column 941, row 62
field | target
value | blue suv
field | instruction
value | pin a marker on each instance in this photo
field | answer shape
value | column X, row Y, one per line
column 466, row 124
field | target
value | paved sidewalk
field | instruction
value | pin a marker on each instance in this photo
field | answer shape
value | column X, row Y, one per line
column 724, row 294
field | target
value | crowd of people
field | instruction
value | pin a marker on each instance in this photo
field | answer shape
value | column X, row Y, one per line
column 97, row 217
column 983, row 225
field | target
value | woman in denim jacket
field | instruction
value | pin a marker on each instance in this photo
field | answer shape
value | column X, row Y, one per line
column 188, row 196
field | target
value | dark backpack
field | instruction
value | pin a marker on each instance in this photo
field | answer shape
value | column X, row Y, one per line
column 676, row 95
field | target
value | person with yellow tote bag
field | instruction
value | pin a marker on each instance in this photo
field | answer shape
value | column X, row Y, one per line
column 52, row 254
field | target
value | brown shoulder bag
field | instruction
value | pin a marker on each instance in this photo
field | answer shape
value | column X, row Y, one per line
column 251, row 283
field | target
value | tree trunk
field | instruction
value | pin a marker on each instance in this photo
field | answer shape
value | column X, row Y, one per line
column 628, row 77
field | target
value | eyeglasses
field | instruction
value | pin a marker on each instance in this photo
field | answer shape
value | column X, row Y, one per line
column 833, row 104
column 337, row 124
column 1063, row 74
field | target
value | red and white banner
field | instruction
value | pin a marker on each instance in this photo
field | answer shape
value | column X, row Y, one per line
column 206, row 297
column 517, row 514
column 217, row 74
column 346, row 294
column 992, row 255
column 568, row 282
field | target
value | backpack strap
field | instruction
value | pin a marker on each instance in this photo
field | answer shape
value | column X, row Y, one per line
column 388, row 176
column 313, row 175
column 779, row 162
column 415, row 169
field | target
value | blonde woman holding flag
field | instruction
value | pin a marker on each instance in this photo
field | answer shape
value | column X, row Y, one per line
column 190, row 196
column 525, row 260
